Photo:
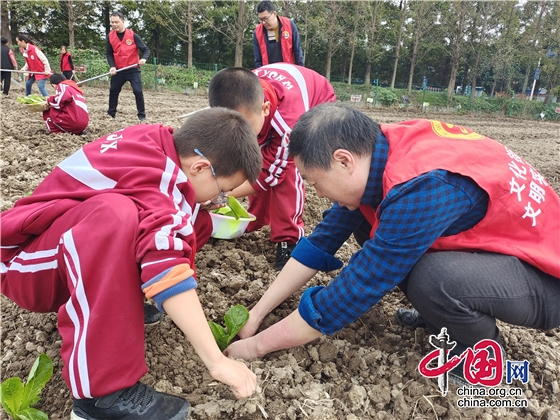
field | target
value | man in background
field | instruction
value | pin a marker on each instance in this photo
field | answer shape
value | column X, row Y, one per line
column 275, row 38
column 122, row 51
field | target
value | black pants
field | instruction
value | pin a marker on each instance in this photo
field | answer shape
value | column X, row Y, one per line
column 467, row 291
column 6, row 78
column 117, row 81
column 68, row 74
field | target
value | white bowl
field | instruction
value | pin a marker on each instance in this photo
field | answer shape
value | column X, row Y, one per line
column 227, row 227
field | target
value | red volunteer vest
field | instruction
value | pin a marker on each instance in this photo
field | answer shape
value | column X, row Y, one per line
column 125, row 52
column 285, row 41
column 33, row 62
column 64, row 63
column 523, row 217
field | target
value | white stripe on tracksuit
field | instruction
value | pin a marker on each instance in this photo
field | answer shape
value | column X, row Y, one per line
column 78, row 356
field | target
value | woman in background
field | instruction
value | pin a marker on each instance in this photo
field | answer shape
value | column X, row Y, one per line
column 35, row 61
column 66, row 64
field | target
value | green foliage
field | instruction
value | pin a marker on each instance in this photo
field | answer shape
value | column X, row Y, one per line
column 235, row 318
column 233, row 209
column 31, row 99
column 17, row 399
column 387, row 97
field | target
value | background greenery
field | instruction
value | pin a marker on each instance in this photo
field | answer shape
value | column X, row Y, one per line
column 386, row 46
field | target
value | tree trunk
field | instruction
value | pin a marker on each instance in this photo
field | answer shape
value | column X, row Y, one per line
column 241, row 25
column 70, row 6
column 398, row 46
column 189, row 35
column 329, row 58
column 5, row 17
column 456, row 52
column 371, row 41
column 107, row 17
column 354, row 32
column 413, row 61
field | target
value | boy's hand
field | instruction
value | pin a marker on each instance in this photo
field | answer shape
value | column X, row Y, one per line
column 239, row 377
column 216, row 203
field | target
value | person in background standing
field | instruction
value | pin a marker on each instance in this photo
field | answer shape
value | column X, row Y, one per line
column 35, row 61
column 66, row 64
column 122, row 51
column 275, row 38
column 8, row 63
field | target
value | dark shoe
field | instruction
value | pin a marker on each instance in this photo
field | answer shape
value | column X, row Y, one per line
column 283, row 253
column 111, row 115
column 409, row 318
column 152, row 315
column 139, row 402
column 141, row 118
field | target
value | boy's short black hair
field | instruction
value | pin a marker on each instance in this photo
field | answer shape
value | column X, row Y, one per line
column 4, row 40
column 24, row 38
column 236, row 88
column 265, row 6
column 328, row 127
column 56, row 78
column 225, row 138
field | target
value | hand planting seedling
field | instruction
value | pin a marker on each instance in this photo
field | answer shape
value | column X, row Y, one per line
column 235, row 318
column 17, row 399
column 233, row 209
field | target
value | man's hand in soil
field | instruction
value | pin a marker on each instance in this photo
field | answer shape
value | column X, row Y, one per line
column 290, row 332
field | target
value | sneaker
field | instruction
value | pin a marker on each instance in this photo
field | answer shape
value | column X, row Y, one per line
column 409, row 318
column 111, row 115
column 283, row 253
column 142, row 118
column 139, row 402
column 152, row 315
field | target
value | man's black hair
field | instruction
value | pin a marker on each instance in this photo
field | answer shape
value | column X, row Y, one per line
column 4, row 40
column 265, row 6
column 119, row 14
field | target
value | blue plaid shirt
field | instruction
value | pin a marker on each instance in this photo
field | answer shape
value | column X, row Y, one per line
column 411, row 217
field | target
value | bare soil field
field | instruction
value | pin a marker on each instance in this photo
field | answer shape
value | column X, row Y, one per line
column 369, row 370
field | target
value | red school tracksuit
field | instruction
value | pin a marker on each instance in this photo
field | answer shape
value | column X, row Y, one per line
column 291, row 90
column 68, row 111
column 114, row 219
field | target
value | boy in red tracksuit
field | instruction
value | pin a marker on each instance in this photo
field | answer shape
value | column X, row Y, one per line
column 115, row 222
column 273, row 101
column 66, row 111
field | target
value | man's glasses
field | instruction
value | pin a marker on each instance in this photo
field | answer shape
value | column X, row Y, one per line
column 265, row 19
column 222, row 197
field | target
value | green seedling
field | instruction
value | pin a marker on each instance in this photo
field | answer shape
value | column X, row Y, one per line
column 17, row 399
column 235, row 318
column 31, row 99
column 233, row 209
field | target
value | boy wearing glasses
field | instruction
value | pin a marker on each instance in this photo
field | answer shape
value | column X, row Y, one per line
column 115, row 222
column 272, row 98
column 276, row 38
column 66, row 111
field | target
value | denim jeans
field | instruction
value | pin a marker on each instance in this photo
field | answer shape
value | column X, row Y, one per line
column 467, row 291
column 40, row 84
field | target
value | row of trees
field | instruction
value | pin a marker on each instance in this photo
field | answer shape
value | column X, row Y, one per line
column 494, row 44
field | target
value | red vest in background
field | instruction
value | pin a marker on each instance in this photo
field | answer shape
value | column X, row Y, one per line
column 125, row 52
column 33, row 62
column 64, row 62
column 286, row 42
column 523, row 217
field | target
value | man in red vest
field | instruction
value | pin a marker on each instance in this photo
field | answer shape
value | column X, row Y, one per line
column 122, row 51
column 463, row 225
column 275, row 38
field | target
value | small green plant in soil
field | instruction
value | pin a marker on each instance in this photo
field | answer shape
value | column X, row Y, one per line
column 17, row 399
column 235, row 318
